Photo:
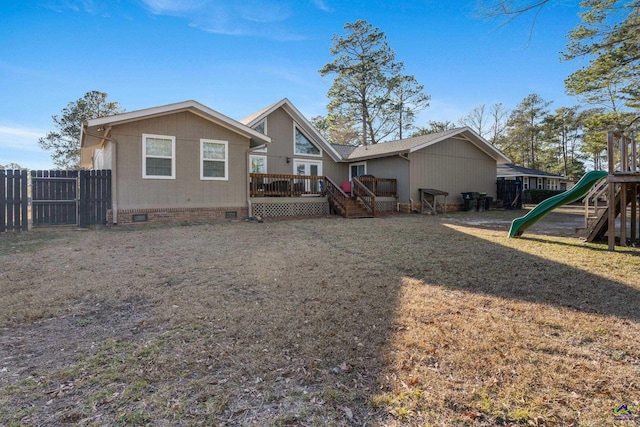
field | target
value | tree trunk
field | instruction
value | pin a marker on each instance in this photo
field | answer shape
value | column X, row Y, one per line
column 364, row 124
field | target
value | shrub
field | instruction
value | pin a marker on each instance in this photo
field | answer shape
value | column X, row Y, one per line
column 536, row 196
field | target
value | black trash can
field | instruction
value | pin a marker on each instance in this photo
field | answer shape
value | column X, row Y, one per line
column 487, row 203
column 469, row 201
column 481, row 201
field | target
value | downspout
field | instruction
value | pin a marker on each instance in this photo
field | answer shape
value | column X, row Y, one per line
column 406, row 157
column 249, row 151
column 114, row 181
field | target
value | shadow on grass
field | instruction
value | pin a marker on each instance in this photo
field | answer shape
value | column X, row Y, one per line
column 581, row 245
column 504, row 271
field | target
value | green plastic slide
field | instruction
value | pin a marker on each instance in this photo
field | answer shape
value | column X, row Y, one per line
column 583, row 186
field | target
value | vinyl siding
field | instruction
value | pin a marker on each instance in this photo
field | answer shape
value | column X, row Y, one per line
column 455, row 166
column 392, row 167
column 186, row 190
column 280, row 129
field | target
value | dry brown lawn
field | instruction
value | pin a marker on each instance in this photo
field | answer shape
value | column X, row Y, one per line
column 405, row 320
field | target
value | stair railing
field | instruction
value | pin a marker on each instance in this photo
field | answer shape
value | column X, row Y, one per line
column 595, row 195
column 363, row 193
column 336, row 195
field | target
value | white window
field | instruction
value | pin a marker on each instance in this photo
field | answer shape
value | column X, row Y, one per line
column 303, row 145
column 357, row 169
column 258, row 164
column 158, row 156
column 261, row 127
column 540, row 186
column 214, row 160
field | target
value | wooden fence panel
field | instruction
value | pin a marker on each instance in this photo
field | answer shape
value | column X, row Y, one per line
column 54, row 197
column 510, row 192
column 3, row 200
column 13, row 201
column 95, row 197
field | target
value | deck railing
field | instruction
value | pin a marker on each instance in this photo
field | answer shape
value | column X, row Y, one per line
column 365, row 194
column 281, row 185
column 381, row 187
column 595, row 200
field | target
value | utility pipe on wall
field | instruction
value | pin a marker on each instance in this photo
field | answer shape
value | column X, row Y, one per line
column 249, row 151
column 406, row 157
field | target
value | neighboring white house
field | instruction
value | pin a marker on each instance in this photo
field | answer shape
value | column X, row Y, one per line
column 532, row 178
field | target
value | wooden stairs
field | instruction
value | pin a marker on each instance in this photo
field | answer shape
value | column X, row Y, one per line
column 596, row 226
column 353, row 208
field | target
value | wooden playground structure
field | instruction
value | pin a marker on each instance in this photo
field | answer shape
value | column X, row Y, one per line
column 611, row 207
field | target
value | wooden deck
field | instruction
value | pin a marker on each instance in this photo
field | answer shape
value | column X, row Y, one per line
column 360, row 202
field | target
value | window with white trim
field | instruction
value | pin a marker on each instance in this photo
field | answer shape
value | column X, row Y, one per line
column 158, row 156
column 258, row 164
column 303, row 145
column 261, row 127
column 308, row 168
column 214, row 160
column 357, row 169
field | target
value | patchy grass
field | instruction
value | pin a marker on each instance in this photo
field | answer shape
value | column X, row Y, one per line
column 404, row 320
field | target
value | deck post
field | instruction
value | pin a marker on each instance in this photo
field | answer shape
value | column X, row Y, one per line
column 623, row 213
column 611, row 231
column 634, row 211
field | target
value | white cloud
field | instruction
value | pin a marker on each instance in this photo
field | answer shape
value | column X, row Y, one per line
column 20, row 145
column 93, row 7
column 256, row 18
column 20, row 138
column 167, row 7
column 320, row 4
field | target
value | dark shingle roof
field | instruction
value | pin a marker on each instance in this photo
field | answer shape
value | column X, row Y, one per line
column 344, row 150
column 513, row 170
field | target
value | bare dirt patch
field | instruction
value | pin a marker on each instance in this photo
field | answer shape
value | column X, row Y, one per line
column 403, row 320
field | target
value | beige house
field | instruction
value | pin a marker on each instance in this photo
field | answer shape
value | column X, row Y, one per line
column 187, row 162
column 454, row 161
column 178, row 162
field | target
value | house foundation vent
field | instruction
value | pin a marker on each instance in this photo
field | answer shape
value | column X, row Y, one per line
column 139, row 217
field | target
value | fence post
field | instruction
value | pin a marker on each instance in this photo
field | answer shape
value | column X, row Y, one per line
column 82, row 196
column 3, row 200
column 25, row 200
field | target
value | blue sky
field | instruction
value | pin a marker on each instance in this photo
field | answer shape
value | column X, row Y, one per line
column 240, row 56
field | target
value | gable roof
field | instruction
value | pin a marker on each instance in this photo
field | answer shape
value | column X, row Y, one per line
column 409, row 145
column 297, row 117
column 89, row 136
column 509, row 170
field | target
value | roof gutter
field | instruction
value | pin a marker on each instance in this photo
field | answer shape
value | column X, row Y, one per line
column 249, row 151
column 406, row 157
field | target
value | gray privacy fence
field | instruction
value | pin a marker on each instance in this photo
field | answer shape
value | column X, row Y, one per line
column 53, row 197
column 14, row 202
column 57, row 197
